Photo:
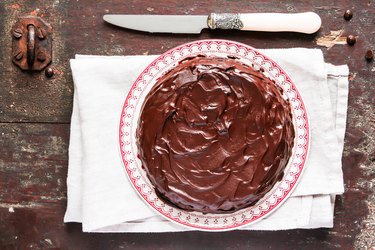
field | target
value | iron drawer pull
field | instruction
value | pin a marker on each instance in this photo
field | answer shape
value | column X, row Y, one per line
column 30, row 45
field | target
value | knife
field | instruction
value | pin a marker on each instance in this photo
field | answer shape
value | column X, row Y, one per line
column 307, row 22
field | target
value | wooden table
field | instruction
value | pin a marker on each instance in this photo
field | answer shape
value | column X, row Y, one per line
column 35, row 115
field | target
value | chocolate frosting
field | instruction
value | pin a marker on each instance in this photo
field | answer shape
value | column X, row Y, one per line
column 214, row 135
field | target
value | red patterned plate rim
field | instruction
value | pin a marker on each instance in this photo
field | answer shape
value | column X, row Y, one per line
column 129, row 119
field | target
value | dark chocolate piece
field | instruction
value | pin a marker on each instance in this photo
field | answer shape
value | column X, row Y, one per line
column 348, row 15
column 369, row 55
column 351, row 40
column 214, row 135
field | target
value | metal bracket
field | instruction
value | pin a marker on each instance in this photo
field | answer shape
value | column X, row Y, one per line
column 32, row 43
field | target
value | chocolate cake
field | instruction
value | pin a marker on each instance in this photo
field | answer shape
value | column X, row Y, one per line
column 214, row 135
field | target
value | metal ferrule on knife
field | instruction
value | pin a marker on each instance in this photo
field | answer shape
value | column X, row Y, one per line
column 224, row 21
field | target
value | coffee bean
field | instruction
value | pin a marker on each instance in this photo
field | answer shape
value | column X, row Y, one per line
column 348, row 15
column 369, row 55
column 350, row 40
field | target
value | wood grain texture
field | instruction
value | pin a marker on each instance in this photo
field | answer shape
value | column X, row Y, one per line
column 35, row 115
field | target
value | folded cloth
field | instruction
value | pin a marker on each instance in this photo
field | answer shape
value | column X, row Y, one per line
column 101, row 197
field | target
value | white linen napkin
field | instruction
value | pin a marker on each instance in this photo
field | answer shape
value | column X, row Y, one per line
column 100, row 195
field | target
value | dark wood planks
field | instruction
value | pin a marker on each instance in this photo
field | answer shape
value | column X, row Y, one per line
column 33, row 163
column 32, row 203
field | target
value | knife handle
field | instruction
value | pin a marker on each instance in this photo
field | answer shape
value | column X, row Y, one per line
column 307, row 22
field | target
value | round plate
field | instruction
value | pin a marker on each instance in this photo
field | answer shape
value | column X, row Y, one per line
column 129, row 122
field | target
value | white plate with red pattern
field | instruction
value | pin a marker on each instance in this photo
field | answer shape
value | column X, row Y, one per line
column 129, row 122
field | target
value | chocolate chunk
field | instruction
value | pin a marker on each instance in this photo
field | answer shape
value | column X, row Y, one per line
column 49, row 72
column 369, row 55
column 214, row 135
column 348, row 15
column 351, row 40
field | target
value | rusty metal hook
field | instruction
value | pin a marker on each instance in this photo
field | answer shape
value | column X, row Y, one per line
column 30, row 45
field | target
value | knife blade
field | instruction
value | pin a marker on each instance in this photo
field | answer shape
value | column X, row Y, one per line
column 307, row 22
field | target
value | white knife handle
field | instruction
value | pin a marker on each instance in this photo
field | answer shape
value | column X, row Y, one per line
column 307, row 22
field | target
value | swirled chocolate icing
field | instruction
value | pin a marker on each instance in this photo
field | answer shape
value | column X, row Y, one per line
column 214, row 135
